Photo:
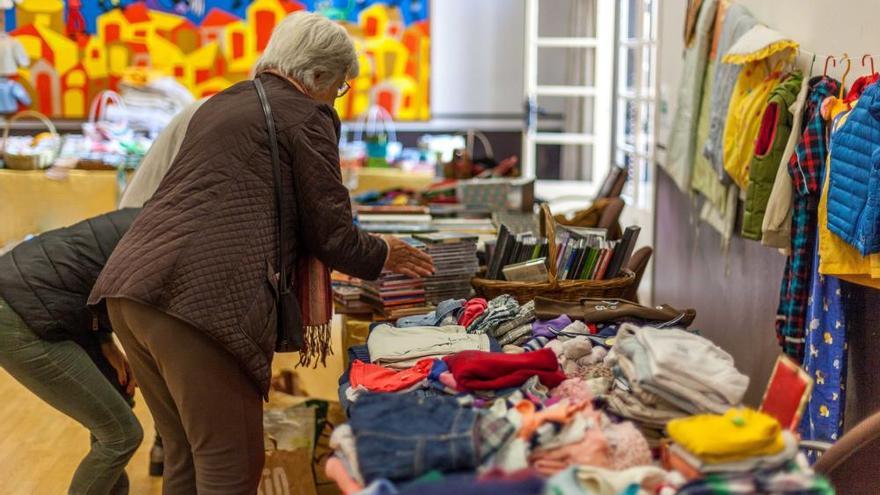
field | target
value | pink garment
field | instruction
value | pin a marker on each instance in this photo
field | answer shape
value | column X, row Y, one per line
column 336, row 471
column 574, row 389
column 472, row 309
column 627, row 445
column 592, row 450
column 376, row 378
column 448, row 380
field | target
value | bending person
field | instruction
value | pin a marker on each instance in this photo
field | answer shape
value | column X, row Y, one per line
column 53, row 345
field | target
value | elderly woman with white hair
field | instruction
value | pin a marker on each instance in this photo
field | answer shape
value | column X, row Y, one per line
column 193, row 288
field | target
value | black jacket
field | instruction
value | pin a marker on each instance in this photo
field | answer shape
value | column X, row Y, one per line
column 47, row 279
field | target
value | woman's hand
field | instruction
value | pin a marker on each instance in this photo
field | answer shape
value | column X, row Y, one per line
column 120, row 364
column 407, row 260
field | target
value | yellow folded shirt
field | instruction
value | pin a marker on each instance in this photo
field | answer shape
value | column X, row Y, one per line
column 736, row 435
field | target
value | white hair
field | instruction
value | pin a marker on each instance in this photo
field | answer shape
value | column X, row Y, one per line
column 307, row 47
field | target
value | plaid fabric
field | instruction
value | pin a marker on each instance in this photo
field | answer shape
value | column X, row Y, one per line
column 806, row 168
column 525, row 315
column 493, row 432
column 808, row 161
column 517, row 336
column 791, row 314
column 501, row 309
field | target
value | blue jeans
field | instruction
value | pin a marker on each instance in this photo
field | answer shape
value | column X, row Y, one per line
column 63, row 375
column 402, row 436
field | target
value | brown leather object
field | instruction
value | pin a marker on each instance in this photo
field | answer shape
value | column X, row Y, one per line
column 611, row 214
column 599, row 310
column 638, row 262
column 596, row 216
column 853, row 462
column 612, row 185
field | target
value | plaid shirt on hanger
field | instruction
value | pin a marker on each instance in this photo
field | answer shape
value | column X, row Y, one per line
column 807, row 164
column 806, row 167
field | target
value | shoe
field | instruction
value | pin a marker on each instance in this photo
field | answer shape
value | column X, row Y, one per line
column 157, row 457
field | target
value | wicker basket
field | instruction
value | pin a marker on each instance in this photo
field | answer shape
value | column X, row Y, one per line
column 562, row 290
column 36, row 161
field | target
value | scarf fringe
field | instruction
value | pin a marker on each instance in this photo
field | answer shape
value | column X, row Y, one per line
column 316, row 346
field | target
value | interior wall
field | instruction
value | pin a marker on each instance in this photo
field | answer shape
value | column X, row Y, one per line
column 478, row 56
column 736, row 294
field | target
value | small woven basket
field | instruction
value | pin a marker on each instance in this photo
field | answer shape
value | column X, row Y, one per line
column 562, row 290
column 36, row 161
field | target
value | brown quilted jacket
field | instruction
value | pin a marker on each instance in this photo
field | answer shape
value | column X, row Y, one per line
column 204, row 247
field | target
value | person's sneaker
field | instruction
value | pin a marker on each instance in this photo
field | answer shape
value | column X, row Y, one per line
column 157, row 457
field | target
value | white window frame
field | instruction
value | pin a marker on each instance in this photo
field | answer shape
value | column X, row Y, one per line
column 598, row 99
column 641, row 154
column 602, row 98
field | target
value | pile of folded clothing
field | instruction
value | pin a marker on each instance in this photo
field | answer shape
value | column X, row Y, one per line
column 151, row 104
column 435, row 395
column 665, row 374
column 482, row 396
column 743, row 449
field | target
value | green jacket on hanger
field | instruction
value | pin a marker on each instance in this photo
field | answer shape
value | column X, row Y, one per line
column 769, row 148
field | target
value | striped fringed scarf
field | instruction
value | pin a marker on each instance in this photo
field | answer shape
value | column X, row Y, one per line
column 315, row 296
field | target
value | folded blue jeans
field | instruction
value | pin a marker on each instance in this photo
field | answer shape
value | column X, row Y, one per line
column 402, row 436
column 434, row 318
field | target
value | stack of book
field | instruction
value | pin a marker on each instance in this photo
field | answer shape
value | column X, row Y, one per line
column 394, row 296
column 581, row 254
column 455, row 264
column 346, row 294
column 474, row 226
column 394, row 219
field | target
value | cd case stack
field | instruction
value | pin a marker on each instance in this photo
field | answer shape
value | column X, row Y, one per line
column 455, row 264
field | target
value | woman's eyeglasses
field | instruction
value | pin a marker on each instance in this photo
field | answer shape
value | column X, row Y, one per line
column 343, row 89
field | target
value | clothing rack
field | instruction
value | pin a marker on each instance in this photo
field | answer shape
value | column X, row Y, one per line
column 825, row 58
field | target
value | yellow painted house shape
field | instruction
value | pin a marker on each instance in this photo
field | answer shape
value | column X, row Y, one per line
column 44, row 13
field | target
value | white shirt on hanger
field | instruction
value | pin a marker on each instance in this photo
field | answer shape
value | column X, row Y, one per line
column 12, row 55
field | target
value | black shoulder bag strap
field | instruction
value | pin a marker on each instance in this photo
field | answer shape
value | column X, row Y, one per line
column 289, row 317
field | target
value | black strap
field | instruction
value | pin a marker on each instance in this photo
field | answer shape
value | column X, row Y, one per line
column 284, row 282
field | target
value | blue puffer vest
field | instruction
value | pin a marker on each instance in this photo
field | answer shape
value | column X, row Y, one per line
column 854, row 187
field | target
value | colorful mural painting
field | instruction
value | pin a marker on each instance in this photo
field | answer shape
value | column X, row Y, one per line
column 81, row 47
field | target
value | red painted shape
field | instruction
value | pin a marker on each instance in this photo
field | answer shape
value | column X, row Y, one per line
column 218, row 17
column 202, row 75
column 137, row 12
column 111, row 33
column 265, row 21
column 44, row 93
column 385, row 99
column 290, row 6
column 237, row 45
column 372, row 26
